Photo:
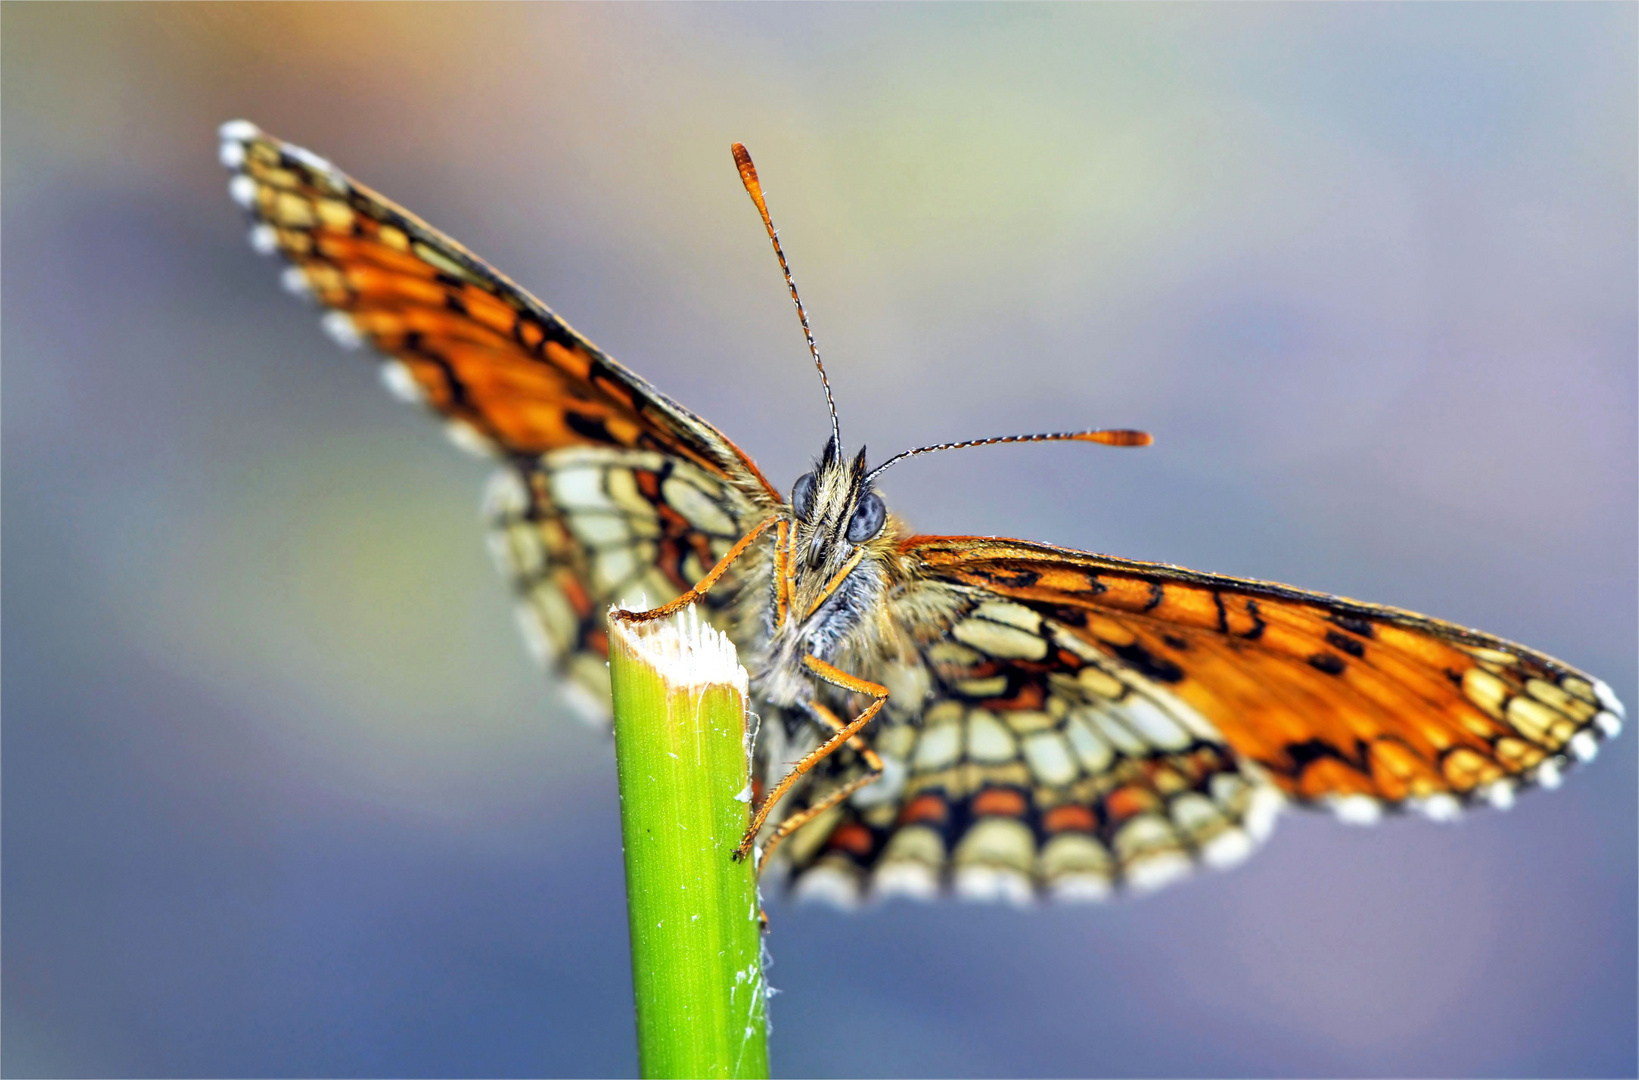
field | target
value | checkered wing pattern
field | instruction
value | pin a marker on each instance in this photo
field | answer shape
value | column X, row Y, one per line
column 1023, row 762
column 1090, row 723
column 577, row 530
column 611, row 492
column 1353, row 705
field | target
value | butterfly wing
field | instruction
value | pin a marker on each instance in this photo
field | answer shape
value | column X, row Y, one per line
column 1018, row 766
column 579, row 529
column 1355, row 705
column 612, row 492
column 1072, row 723
column 507, row 374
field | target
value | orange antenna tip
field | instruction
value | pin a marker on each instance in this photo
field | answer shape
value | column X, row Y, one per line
column 754, row 187
column 1120, row 437
column 742, row 159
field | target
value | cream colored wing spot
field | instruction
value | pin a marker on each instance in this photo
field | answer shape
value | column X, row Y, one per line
column 1547, row 774
column 831, row 883
column 1094, row 753
column 1100, row 685
column 686, row 497
column 433, row 257
column 982, row 688
column 994, row 861
column 988, row 740
column 1260, row 809
column 400, row 383
column 1077, row 868
column 243, row 189
column 1001, row 639
column 620, row 484
column 338, row 326
column 1605, row 697
column 1226, row 849
column 1106, row 721
column 1198, row 818
column 1498, row 794
column 604, row 459
column 231, row 154
column 909, row 686
column 580, row 488
column 611, row 568
column 1356, row 809
column 1049, row 758
column 293, row 280
column 1008, row 613
column 1441, row 806
column 911, row 865
column 939, row 746
column 505, row 497
column 264, row 240
column 463, row 436
column 1152, row 870
column 1151, row 724
column 600, row 530
column 1151, row 853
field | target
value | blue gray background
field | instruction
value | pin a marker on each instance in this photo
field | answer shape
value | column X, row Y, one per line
column 283, row 795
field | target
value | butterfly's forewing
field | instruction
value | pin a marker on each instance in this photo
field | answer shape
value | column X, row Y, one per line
column 1351, row 704
column 506, row 373
column 613, row 492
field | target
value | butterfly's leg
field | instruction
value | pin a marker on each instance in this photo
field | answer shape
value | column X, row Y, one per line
column 873, row 765
column 704, row 584
column 836, row 677
column 829, row 719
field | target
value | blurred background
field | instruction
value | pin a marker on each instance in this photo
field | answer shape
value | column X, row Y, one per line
column 283, row 794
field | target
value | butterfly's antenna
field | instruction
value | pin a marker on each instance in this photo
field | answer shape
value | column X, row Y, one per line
column 1115, row 437
column 748, row 177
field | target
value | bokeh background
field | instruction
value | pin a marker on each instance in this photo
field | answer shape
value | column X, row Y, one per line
column 282, row 793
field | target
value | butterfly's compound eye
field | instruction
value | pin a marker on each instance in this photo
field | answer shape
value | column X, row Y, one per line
column 802, row 496
column 868, row 518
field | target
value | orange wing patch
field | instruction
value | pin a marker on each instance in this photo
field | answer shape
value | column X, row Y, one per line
column 507, row 373
column 1352, row 704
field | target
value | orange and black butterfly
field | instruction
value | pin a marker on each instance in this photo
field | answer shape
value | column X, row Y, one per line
column 996, row 718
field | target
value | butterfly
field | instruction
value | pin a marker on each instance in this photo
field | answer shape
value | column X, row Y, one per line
column 988, row 717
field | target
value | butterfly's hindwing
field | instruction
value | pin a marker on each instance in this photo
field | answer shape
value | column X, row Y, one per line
column 580, row 529
column 1022, row 763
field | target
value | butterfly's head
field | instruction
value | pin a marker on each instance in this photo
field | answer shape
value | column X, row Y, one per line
column 838, row 519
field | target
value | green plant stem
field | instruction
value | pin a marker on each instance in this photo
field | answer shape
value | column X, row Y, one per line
column 683, row 752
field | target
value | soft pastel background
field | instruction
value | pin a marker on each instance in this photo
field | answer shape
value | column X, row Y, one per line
column 282, row 793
